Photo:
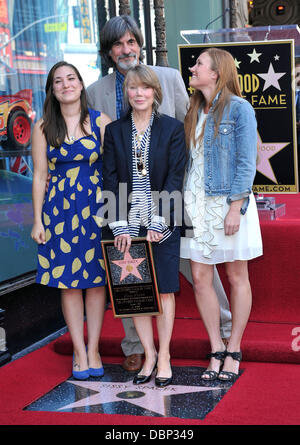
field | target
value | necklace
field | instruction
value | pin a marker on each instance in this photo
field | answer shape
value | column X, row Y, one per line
column 141, row 143
column 72, row 138
column 140, row 163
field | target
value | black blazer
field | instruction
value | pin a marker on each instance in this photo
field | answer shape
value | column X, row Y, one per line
column 167, row 158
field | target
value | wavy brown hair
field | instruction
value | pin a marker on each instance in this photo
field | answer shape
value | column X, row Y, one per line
column 53, row 125
column 227, row 85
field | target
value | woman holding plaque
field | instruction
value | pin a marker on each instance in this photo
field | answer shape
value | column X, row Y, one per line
column 221, row 132
column 67, row 142
column 146, row 151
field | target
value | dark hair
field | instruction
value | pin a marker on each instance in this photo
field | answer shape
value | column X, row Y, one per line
column 53, row 125
column 113, row 31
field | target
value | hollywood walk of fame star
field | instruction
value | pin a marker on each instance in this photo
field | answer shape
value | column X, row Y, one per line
column 271, row 78
column 266, row 150
column 148, row 396
column 254, row 56
column 129, row 265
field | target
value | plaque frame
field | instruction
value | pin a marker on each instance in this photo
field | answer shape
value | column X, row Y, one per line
column 116, row 291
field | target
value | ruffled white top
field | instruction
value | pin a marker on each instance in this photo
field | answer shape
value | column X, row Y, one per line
column 207, row 242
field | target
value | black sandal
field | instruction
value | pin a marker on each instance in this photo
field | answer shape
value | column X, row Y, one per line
column 227, row 376
column 213, row 375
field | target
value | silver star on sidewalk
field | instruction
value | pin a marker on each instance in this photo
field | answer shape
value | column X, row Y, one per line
column 148, row 396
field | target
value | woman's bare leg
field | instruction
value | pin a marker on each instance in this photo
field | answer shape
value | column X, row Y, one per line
column 165, row 323
column 73, row 311
column 143, row 326
column 241, row 301
column 95, row 301
column 208, row 305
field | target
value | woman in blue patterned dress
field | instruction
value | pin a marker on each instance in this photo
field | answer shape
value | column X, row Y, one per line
column 67, row 224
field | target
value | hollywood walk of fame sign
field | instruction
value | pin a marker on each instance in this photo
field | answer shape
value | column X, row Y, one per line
column 131, row 279
column 266, row 76
column 188, row 397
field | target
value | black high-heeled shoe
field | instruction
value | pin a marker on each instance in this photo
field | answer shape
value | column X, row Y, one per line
column 213, row 375
column 227, row 376
column 140, row 378
column 163, row 381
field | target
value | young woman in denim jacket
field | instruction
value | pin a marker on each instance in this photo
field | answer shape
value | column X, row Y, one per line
column 221, row 131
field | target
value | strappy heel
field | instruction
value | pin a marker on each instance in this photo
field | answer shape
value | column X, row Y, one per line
column 227, row 376
column 213, row 375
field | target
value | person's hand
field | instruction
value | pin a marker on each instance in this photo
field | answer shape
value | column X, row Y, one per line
column 232, row 221
column 154, row 236
column 47, row 183
column 38, row 233
column 122, row 243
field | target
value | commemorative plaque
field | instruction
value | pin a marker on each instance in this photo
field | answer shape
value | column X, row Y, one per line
column 131, row 279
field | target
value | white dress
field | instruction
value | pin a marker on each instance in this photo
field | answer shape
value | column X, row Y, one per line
column 207, row 243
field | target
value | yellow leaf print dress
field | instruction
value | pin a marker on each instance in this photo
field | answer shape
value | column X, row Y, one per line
column 72, row 255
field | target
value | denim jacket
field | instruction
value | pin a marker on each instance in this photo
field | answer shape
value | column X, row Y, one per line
column 230, row 157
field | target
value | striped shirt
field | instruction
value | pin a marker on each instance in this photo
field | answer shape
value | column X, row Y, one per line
column 143, row 208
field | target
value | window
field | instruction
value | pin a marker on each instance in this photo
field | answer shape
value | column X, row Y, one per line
column 34, row 35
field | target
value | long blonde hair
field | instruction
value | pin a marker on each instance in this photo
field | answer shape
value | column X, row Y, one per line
column 227, row 85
